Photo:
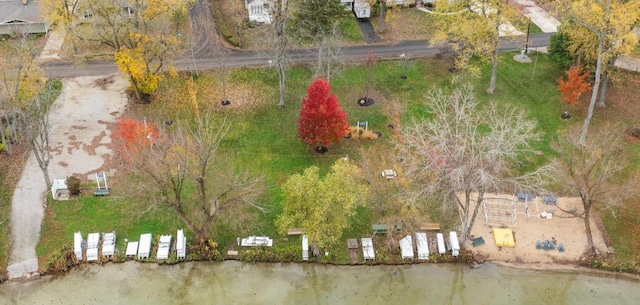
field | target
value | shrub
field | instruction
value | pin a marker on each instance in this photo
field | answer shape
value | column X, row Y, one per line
column 3, row 274
column 73, row 184
column 205, row 251
column 361, row 134
column 574, row 85
column 559, row 49
column 61, row 260
column 281, row 254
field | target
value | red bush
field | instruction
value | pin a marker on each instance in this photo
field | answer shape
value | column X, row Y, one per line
column 574, row 85
column 130, row 136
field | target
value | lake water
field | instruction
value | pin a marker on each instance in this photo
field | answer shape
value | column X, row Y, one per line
column 244, row 283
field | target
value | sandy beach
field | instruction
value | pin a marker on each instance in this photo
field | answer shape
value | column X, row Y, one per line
column 529, row 227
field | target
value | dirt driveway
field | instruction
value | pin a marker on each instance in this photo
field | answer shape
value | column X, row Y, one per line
column 79, row 139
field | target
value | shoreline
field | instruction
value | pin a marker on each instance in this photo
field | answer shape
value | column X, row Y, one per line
column 569, row 267
column 563, row 268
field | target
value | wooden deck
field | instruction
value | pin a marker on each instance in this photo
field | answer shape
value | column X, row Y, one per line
column 352, row 245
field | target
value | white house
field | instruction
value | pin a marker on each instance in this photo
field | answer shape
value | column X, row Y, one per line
column 259, row 10
column 348, row 4
column 21, row 16
column 362, row 9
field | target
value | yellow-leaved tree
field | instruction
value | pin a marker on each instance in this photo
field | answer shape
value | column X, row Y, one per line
column 322, row 206
column 61, row 13
column 142, row 59
column 474, row 28
column 135, row 31
column 604, row 30
column 21, row 80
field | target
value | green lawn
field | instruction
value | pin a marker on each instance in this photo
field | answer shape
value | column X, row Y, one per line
column 128, row 217
column 5, row 214
column 263, row 137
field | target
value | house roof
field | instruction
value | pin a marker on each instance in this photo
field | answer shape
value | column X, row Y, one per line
column 251, row 1
column 13, row 11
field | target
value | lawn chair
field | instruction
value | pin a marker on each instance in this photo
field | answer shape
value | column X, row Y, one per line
column 102, row 189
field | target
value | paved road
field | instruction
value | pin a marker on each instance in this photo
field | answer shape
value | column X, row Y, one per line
column 257, row 59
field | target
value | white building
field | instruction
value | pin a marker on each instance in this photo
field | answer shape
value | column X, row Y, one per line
column 259, row 10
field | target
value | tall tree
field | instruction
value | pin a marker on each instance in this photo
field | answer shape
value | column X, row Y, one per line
column 474, row 30
column 322, row 206
column 322, row 121
column 240, row 17
column 316, row 17
column 328, row 50
column 277, row 44
column 143, row 60
column 318, row 21
column 61, row 13
column 596, row 171
column 609, row 24
column 38, row 128
column 21, row 80
column 136, row 33
column 387, row 13
column 184, row 171
column 466, row 150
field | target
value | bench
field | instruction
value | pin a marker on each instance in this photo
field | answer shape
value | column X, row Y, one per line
column 382, row 229
column 430, row 226
column 295, row 231
column 232, row 254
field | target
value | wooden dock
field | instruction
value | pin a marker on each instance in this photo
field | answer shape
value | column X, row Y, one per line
column 352, row 245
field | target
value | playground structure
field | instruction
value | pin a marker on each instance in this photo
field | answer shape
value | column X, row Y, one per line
column 502, row 210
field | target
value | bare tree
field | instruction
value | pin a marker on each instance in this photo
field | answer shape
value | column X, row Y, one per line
column 328, row 50
column 277, row 44
column 38, row 128
column 466, row 150
column 596, row 170
column 21, row 79
column 239, row 16
column 189, row 159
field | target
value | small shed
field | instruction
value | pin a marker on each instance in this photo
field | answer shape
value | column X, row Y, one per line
column 367, row 249
column 305, row 247
column 144, row 248
column 132, row 249
column 163, row 247
column 108, row 244
column 93, row 241
column 362, row 9
column 406, row 247
column 423, row 245
column 78, row 245
column 455, row 245
column 59, row 190
column 181, row 245
column 441, row 247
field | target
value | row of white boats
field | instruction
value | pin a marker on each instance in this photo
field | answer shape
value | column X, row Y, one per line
column 94, row 247
column 408, row 250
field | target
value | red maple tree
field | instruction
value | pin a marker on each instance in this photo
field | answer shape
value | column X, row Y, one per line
column 130, row 136
column 574, row 85
column 322, row 121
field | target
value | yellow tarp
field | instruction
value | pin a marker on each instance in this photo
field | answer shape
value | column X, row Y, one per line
column 504, row 237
